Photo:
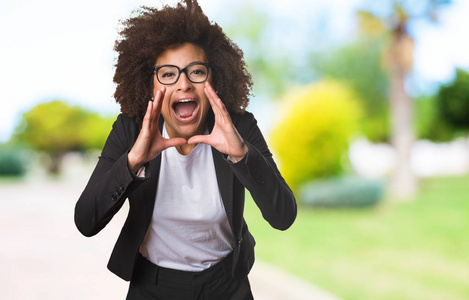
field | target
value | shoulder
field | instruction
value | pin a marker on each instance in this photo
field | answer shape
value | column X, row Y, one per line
column 124, row 122
column 243, row 121
column 125, row 130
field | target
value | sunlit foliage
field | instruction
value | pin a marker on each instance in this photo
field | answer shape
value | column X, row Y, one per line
column 57, row 128
column 312, row 137
column 429, row 124
column 360, row 65
column 453, row 101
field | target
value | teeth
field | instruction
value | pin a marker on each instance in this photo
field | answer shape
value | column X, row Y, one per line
column 185, row 101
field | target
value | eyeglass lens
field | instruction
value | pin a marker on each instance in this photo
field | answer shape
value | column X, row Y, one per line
column 196, row 73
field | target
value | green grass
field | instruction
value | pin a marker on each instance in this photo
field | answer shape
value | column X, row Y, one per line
column 414, row 250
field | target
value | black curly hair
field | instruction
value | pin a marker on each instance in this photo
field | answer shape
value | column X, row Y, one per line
column 152, row 31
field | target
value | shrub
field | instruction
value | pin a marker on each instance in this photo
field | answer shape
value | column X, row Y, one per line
column 429, row 123
column 347, row 191
column 453, row 101
column 313, row 135
column 12, row 161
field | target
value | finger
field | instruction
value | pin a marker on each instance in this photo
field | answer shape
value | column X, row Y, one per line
column 212, row 92
column 154, row 107
column 211, row 95
column 158, row 104
column 216, row 101
column 155, row 91
column 196, row 139
column 159, row 98
column 147, row 117
column 211, row 101
column 208, row 87
column 174, row 142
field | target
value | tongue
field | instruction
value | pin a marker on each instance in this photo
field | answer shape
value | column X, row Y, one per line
column 185, row 109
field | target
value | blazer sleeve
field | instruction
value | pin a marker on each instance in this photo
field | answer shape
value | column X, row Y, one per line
column 111, row 181
column 258, row 172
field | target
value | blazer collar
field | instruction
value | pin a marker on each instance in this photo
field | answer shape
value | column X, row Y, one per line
column 224, row 174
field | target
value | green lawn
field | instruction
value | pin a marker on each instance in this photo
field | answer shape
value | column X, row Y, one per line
column 415, row 250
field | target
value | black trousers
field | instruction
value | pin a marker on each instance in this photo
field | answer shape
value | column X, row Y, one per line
column 151, row 282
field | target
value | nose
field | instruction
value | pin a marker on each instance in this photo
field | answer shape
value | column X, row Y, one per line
column 183, row 83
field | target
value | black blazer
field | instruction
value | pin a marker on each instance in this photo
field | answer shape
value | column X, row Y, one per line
column 112, row 182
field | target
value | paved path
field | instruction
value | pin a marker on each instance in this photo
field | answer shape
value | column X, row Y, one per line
column 43, row 256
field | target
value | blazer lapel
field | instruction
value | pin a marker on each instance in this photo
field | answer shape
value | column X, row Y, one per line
column 224, row 175
column 148, row 188
column 225, row 183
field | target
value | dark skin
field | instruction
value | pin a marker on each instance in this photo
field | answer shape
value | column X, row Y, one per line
column 150, row 143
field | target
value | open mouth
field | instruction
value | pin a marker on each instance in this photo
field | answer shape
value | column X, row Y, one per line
column 185, row 108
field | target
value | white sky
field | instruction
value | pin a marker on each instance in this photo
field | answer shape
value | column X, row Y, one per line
column 53, row 49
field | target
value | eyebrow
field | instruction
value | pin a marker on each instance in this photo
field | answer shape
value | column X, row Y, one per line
column 193, row 62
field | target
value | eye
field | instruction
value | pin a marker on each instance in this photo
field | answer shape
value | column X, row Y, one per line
column 167, row 72
column 199, row 71
column 167, row 75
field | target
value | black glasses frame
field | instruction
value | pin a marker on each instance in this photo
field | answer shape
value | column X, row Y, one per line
column 156, row 69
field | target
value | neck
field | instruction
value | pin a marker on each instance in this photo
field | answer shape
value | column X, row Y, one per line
column 185, row 149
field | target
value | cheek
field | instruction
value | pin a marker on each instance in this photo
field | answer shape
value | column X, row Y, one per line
column 211, row 81
column 205, row 103
column 165, row 107
column 156, row 87
column 205, row 107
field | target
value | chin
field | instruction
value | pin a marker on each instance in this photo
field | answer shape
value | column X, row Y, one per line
column 187, row 130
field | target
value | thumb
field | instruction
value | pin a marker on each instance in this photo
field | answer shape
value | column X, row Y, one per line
column 199, row 139
column 175, row 142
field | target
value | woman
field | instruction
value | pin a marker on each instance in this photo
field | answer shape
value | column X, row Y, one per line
column 182, row 152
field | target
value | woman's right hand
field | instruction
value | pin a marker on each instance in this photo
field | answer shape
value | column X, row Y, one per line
column 150, row 143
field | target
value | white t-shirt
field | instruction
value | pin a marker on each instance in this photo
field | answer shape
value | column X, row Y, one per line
column 189, row 230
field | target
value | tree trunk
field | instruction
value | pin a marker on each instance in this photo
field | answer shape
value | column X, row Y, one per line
column 403, row 182
column 54, row 165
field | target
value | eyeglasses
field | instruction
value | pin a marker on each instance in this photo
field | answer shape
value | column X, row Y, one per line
column 169, row 74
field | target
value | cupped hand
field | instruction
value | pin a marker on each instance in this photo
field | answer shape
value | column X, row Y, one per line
column 224, row 136
column 150, row 143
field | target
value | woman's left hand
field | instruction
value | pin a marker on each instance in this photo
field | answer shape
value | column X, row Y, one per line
column 224, row 136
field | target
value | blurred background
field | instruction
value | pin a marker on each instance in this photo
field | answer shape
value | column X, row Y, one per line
column 364, row 104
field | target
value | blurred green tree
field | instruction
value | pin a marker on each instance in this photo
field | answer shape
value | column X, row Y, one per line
column 453, row 101
column 360, row 65
column 57, row 128
column 314, row 131
column 429, row 124
column 399, row 61
column 266, row 62
column 388, row 37
column 95, row 131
